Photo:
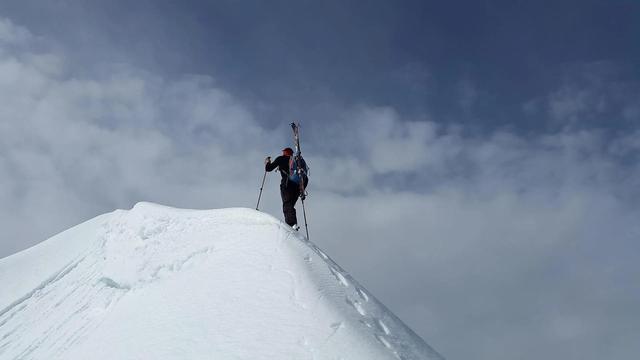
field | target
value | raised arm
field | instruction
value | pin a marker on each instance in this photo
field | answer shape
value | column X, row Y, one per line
column 268, row 165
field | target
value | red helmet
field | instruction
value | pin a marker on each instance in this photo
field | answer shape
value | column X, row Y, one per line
column 288, row 150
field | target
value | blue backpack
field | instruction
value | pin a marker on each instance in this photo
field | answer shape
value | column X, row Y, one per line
column 294, row 175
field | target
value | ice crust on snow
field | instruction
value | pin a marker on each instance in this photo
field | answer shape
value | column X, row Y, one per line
column 161, row 283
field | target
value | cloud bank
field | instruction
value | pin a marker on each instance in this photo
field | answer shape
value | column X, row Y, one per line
column 521, row 246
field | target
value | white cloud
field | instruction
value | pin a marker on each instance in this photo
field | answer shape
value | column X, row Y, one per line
column 72, row 147
column 12, row 34
column 592, row 94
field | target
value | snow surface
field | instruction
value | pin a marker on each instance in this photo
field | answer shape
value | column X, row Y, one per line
column 161, row 283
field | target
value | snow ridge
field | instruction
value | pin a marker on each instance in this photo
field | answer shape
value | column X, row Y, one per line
column 162, row 283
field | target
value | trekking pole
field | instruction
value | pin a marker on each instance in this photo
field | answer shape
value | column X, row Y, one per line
column 261, row 186
column 304, row 212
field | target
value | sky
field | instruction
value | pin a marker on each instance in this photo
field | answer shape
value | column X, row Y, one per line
column 474, row 164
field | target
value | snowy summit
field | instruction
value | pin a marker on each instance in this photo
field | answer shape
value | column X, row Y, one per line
column 162, row 283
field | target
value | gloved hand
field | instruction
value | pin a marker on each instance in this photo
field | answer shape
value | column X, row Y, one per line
column 267, row 160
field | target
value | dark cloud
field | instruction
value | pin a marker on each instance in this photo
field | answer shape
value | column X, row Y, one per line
column 289, row 56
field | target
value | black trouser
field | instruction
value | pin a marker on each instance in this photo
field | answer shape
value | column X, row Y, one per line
column 290, row 192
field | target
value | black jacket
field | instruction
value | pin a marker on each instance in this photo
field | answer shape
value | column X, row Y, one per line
column 282, row 163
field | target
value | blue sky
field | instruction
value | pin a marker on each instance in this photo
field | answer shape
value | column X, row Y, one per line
column 474, row 164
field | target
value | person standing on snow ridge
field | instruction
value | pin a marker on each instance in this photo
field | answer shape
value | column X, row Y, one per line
column 289, row 190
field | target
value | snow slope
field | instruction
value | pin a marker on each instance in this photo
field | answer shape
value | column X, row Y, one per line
column 162, row 283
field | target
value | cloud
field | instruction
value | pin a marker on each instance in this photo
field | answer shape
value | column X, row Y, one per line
column 12, row 34
column 503, row 259
column 490, row 246
column 591, row 94
column 504, row 243
column 75, row 146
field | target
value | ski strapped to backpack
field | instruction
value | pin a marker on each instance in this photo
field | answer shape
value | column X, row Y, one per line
column 298, row 169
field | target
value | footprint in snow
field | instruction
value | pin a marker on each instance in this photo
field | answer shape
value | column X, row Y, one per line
column 358, row 306
column 384, row 341
column 400, row 357
column 324, row 256
column 363, row 294
column 366, row 323
column 109, row 282
column 383, row 327
column 343, row 280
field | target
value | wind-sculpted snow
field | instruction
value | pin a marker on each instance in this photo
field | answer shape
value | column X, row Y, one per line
column 161, row 283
